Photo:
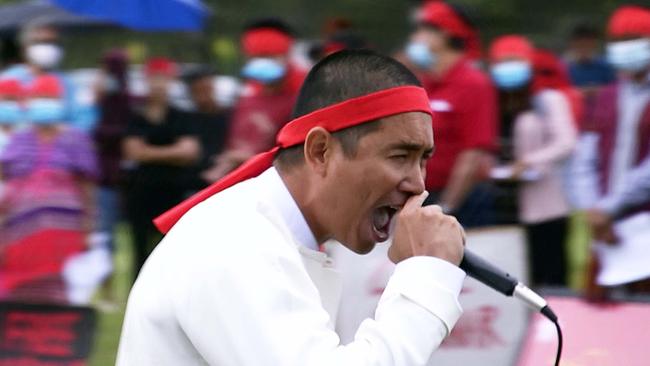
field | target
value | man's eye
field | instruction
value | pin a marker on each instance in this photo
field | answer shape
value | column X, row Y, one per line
column 423, row 162
column 399, row 157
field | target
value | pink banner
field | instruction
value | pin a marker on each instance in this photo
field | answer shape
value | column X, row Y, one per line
column 594, row 335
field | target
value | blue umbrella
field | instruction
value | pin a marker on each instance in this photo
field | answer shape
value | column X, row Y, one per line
column 144, row 15
column 14, row 16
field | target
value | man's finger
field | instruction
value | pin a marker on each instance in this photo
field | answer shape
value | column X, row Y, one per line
column 462, row 233
column 414, row 202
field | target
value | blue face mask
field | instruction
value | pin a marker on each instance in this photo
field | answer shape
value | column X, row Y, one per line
column 264, row 70
column 511, row 75
column 45, row 111
column 632, row 55
column 10, row 112
column 420, row 55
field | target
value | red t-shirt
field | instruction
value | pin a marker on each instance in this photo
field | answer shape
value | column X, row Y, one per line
column 258, row 116
column 464, row 105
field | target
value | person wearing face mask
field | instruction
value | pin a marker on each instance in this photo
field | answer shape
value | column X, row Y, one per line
column 272, row 85
column 43, row 53
column 539, row 134
column 159, row 147
column 587, row 68
column 616, row 133
column 48, row 207
column 441, row 51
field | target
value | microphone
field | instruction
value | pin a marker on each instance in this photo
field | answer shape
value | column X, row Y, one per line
column 489, row 275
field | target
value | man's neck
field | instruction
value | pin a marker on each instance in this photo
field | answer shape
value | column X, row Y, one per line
column 155, row 110
column 300, row 190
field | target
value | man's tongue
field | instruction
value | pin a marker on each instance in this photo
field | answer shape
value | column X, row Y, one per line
column 380, row 219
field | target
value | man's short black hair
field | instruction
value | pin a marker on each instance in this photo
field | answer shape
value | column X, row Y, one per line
column 348, row 74
column 585, row 31
column 270, row 22
column 341, row 76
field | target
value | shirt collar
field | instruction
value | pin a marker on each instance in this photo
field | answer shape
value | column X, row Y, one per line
column 280, row 198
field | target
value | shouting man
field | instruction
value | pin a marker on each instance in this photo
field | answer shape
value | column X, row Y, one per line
column 239, row 279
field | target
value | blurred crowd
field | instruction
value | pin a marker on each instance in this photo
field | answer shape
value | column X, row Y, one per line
column 523, row 135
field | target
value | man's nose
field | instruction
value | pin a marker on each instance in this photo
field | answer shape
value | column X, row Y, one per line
column 413, row 183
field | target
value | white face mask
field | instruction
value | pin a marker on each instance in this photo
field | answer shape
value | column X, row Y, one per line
column 632, row 56
column 45, row 111
column 44, row 55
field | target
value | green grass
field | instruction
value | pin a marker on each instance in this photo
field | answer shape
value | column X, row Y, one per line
column 109, row 325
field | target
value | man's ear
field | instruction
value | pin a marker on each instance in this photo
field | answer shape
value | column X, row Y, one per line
column 318, row 149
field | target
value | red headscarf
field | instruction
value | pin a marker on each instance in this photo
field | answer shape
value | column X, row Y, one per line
column 550, row 73
column 160, row 66
column 265, row 41
column 511, row 45
column 629, row 21
column 441, row 15
column 46, row 86
column 336, row 117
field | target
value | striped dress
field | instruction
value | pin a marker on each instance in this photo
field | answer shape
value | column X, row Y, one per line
column 41, row 212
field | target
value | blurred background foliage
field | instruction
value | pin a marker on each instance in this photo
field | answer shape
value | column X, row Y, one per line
column 384, row 23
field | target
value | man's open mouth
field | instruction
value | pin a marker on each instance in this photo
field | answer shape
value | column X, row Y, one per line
column 381, row 220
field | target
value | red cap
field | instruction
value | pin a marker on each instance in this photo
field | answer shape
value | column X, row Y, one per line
column 160, row 66
column 511, row 46
column 629, row 21
column 266, row 42
column 550, row 72
column 441, row 15
column 11, row 88
column 46, row 86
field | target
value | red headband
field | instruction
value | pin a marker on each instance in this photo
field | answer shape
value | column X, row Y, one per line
column 266, row 42
column 336, row 117
column 443, row 16
column 550, row 72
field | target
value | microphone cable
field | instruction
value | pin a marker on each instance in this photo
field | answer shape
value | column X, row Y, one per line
column 508, row 285
column 550, row 315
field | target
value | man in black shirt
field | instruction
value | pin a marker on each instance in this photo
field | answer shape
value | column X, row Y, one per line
column 210, row 123
column 159, row 146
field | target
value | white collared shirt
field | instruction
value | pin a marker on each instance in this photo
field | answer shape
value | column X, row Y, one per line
column 234, row 283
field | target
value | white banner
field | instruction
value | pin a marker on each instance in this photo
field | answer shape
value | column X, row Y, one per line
column 492, row 326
